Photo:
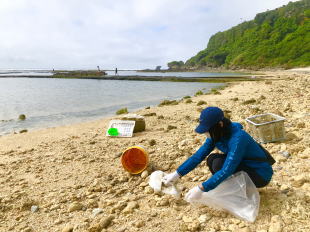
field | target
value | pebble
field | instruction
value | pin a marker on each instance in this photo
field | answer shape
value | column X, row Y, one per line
column 195, row 226
column 34, row 208
column 299, row 180
column 204, row 218
column 119, row 206
column 27, row 229
column 102, row 224
column 164, row 202
column 283, row 147
column 67, row 228
column 130, row 207
column 183, row 142
column 105, row 222
column 75, row 206
column 170, row 127
column 285, row 154
column 187, row 219
column 152, row 142
column 123, row 179
column 306, row 186
column 148, row 190
column 233, row 227
column 58, row 221
column 97, row 211
column 117, row 155
column 212, row 230
column 275, row 227
column 123, row 229
column 301, row 125
column 276, row 224
column 54, row 207
column 284, row 188
column 92, row 203
column 139, row 224
column 144, row 174
column 305, row 154
column 246, row 229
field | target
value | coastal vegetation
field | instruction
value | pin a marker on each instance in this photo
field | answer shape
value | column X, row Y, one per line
column 278, row 38
column 215, row 91
column 175, row 65
column 201, row 102
column 168, row 102
column 188, row 101
column 122, row 111
column 198, row 93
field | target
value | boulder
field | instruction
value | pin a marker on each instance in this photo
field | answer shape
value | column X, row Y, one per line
column 22, row 117
column 140, row 121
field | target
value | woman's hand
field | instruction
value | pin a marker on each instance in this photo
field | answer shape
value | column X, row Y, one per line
column 170, row 178
column 201, row 187
column 194, row 194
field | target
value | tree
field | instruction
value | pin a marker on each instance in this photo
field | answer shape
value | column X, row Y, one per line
column 175, row 64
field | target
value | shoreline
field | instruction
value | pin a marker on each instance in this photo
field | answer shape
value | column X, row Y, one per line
column 218, row 79
column 133, row 107
column 71, row 170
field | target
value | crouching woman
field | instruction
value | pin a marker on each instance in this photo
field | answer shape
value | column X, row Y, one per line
column 240, row 152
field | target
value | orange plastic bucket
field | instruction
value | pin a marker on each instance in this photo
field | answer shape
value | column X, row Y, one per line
column 135, row 159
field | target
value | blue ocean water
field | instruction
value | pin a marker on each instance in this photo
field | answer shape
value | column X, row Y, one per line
column 53, row 102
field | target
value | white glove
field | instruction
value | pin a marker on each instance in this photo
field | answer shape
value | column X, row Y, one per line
column 170, row 178
column 193, row 194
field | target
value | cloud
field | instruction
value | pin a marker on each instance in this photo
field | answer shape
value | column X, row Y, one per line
column 114, row 33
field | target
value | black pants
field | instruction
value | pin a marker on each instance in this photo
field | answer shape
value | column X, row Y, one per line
column 215, row 162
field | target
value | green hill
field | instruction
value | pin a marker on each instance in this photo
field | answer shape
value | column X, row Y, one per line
column 276, row 38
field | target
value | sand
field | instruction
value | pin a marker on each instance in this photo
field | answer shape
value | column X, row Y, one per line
column 71, row 179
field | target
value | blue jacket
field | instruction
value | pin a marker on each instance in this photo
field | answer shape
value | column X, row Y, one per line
column 238, row 147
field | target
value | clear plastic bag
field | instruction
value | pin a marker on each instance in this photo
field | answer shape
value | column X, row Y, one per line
column 237, row 195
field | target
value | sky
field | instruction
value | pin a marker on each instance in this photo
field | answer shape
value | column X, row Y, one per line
column 127, row 34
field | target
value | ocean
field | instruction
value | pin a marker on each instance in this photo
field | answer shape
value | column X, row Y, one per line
column 55, row 102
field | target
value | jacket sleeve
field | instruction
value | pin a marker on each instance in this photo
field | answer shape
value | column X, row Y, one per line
column 197, row 158
column 234, row 157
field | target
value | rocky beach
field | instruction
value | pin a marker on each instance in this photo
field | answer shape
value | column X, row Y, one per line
column 70, row 178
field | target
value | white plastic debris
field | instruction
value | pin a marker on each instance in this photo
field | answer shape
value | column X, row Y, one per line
column 97, row 211
column 34, row 208
column 157, row 184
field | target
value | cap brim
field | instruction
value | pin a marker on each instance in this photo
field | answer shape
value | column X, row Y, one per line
column 200, row 129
